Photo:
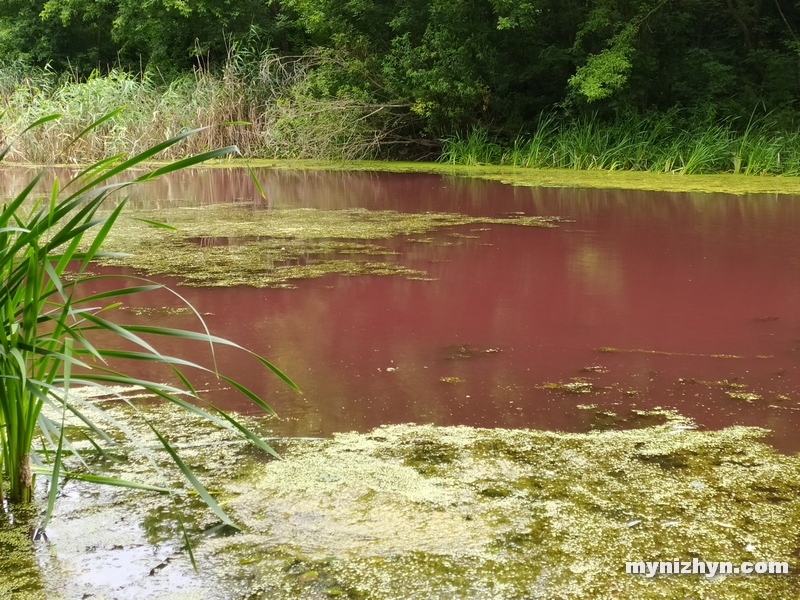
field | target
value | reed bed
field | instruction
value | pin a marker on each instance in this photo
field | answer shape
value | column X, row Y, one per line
column 267, row 106
column 667, row 142
column 286, row 107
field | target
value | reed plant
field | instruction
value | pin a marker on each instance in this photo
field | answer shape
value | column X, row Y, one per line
column 667, row 142
column 475, row 148
column 49, row 327
column 266, row 105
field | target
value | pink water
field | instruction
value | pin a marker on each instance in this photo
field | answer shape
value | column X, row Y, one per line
column 684, row 275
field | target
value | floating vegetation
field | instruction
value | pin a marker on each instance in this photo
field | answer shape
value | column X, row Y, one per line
column 595, row 369
column 577, row 386
column 451, row 380
column 160, row 311
column 746, row 396
column 435, row 512
column 227, row 245
column 257, row 264
column 468, row 351
column 19, row 569
column 724, row 383
column 432, row 512
column 606, row 420
column 642, row 351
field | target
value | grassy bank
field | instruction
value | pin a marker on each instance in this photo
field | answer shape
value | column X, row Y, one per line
column 279, row 108
column 668, row 143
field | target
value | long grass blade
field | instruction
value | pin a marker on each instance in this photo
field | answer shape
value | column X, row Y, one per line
column 199, row 488
column 101, row 479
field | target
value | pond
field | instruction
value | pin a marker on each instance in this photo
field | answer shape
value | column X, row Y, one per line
column 634, row 300
column 394, row 298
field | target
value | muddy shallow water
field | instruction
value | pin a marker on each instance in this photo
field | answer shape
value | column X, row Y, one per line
column 480, row 315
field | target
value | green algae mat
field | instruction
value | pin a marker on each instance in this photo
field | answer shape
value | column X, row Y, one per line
column 417, row 511
column 269, row 248
column 726, row 183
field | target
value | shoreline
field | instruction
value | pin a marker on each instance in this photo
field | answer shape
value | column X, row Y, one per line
column 725, row 183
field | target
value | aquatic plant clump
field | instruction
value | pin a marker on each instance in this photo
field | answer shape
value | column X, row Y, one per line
column 226, row 245
column 431, row 512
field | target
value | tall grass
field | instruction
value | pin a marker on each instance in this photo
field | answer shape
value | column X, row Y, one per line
column 475, row 148
column 292, row 107
column 661, row 142
column 266, row 105
column 47, row 327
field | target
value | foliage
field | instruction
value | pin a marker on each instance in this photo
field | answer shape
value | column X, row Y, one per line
column 262, row 103
column 83, row 35
column 656, row 142
column 49, row 328
column 442, row 66
column 475, row 148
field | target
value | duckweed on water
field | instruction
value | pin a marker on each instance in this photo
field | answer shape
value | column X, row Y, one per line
column 226, row 245
column 468, row 351
column 19, row 572
column 159, row 311
column 410, row 511
column 625, row 180
column 609, row 350
column 746, row 396
column 432, row 512
column 576, row 386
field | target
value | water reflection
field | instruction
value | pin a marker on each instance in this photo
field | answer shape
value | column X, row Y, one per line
column 688, row 276
column 598, row 271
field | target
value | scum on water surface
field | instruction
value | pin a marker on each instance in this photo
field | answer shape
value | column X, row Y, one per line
column 725, row 183
column 226, row 245
column 438, row 512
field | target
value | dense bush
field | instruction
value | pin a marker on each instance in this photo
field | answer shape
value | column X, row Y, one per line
column 455, row 63
column 429, row 68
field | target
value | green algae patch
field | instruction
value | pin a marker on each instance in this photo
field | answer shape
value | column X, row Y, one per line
column 456, row 512
column 604, row 420
column 576, row 386
column 419, row 511
column 626, row 180
column 159, row 311
column 19, row 570
column 226, row 245
column 610, row 350
column 746, row 396
column 468, row 351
